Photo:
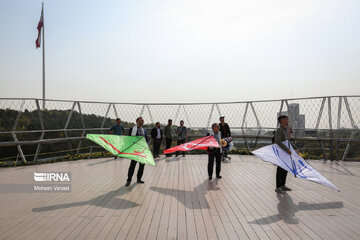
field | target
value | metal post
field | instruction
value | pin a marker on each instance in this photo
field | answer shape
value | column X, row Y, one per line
column 83, row 125
column 116, row 114
column 317, row 126
column 210, row 115
column 151, row 118
column 281, row 107
column 142, row 111
column 331, row 130
column 90, row 152
column 177, row 113
column 242, row 126
column 339, row 113
column 14, row 135
column 104, row 119
column 67, row 123
column 338, row 126
column 187, row 117
column 348, row 145
column 218, row 109
column 257, row 124
column 42, row 132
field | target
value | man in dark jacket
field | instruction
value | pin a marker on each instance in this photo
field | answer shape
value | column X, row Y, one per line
column 137, row 130
column 224, row 128
column 183, row 134
column 168, row 132
column 225, row 132
column 157, row 136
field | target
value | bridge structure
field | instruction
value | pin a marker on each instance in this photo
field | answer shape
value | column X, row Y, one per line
column 177, row 200
column 330, row 123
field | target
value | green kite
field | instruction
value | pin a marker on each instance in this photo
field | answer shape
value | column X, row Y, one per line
column 131, row 147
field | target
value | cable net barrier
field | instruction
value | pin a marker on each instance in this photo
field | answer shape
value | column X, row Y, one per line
column 323, row 127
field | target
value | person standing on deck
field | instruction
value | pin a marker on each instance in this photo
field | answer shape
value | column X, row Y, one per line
column 157, row 136
column 182, row 133
column 214, row 153
column 281, row 134
column 137, row 130
column 168, row 132
column 225, row 133
column 117, row 129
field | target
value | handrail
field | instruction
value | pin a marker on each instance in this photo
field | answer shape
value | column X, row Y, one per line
column 68, row 139
column 182, row 103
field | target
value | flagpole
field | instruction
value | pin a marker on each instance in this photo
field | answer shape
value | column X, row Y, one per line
column 43, row 58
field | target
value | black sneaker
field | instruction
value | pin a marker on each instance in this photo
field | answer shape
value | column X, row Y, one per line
column 140, row 181
column 219, row 176
column 279, row 190
column 285, row 188
column 127, row 183
column 210, row 178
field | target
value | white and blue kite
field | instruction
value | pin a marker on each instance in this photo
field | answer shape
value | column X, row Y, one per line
column 293, row 163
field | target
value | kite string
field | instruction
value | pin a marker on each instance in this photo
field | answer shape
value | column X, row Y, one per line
column 200, row 142
column 141, row 137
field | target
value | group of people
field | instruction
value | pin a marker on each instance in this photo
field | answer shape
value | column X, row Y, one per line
column 218, row 131
column 157, row 136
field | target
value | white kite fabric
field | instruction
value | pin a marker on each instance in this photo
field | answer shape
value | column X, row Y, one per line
column 293, row 163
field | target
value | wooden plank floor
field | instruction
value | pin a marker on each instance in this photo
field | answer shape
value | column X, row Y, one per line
column 178, row 201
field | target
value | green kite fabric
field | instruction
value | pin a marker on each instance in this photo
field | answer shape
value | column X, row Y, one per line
column 131, row 147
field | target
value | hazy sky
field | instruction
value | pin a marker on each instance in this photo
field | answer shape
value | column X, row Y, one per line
column 181, row 50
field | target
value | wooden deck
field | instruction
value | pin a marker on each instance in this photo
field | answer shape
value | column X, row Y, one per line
column 178, row 201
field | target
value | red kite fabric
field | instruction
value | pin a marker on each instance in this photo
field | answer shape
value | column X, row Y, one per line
column 201, row 143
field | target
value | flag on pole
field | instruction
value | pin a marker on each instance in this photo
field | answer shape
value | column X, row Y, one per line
column 39, row 27
column 131, row 147
column 293, row 163
column 201, row 143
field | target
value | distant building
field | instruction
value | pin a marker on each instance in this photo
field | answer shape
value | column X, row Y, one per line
column 296, row 120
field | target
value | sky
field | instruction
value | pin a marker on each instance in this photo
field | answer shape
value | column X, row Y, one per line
column 181, row 50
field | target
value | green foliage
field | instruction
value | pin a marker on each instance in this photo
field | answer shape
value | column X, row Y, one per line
column 53, row 120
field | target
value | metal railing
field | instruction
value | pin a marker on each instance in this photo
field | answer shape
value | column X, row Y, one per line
column 330, row 121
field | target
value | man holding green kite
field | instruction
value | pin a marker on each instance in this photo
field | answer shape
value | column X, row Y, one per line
column 137, row 130
column 134, row 147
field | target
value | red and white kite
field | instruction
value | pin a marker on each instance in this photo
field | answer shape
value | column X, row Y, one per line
column 201, row 143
